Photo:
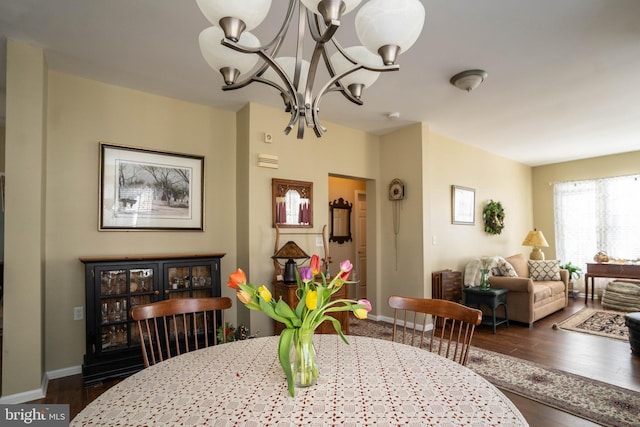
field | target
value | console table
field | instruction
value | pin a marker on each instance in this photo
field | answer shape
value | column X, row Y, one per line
column 610, row 270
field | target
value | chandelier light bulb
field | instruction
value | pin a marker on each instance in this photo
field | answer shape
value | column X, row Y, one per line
column 361, row 77
column 229, row 62
column 389, row 27
column 251, row 13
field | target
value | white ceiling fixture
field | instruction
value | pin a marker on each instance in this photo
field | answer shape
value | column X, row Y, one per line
column 468, row 80
column 385, row 28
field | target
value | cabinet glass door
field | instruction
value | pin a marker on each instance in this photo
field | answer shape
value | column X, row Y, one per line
column 120, row 289
column 186, row 281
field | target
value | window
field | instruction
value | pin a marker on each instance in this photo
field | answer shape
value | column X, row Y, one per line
column 597, row 215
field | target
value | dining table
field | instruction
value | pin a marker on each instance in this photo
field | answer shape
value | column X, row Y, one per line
column 368, row 382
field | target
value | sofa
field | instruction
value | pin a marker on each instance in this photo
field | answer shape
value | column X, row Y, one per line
column 536, row 288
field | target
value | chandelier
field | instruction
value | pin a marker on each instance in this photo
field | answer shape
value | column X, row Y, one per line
column 385, row 28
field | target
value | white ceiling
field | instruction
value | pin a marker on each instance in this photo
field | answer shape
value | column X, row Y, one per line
column 562, row 85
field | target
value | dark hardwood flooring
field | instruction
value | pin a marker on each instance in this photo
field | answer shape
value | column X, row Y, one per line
column 599, row 358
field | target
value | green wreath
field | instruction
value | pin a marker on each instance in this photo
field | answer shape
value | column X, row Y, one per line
column 493, row 216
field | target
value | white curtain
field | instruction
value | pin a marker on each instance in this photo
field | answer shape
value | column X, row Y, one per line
column 597, row 215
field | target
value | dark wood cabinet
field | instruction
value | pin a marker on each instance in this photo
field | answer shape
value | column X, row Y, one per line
column 447, row 284
column 115, row 284
column 288, row 294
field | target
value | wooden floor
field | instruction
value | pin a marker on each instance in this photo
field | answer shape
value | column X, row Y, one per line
column 603, row 359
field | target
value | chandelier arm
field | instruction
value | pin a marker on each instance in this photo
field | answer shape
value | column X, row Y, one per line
column 320, row 31
column 295, row 117
column 327, row 62
column 318, row 51
column 273, row 46
column 266, row 57
column 299, row 46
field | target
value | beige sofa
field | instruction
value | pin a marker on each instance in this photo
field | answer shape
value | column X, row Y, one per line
column 529, row 300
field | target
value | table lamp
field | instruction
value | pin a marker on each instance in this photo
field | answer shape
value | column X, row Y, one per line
column 536, row 239
column 290, row 251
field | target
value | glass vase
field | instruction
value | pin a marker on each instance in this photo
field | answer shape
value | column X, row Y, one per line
column 303, row 359
column 484, row 280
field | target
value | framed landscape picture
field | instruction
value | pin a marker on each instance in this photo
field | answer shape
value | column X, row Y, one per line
column 144, row 189
column 463, row 202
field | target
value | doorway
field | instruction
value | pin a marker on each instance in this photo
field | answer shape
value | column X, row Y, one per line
column 353, row 191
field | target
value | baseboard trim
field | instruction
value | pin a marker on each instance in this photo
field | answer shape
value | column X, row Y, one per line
column 41, row 393
column 27, row 396
column 65, row 372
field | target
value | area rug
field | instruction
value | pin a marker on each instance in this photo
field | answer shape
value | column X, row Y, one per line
column 604, row 323
column 596, row 401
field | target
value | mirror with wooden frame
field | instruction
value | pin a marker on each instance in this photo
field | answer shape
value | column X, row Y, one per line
column 292, row 203
column 340, row 221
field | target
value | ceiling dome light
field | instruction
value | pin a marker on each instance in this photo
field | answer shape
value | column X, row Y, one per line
column 331, row 9
column 250, row 12
column 362, row 78
column 468, row 80
column 389, row 28
column 229, row 62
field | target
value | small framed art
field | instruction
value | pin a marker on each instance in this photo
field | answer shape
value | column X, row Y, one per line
column 463, row 202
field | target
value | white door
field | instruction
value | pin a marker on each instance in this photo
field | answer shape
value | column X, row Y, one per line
column 361, row 243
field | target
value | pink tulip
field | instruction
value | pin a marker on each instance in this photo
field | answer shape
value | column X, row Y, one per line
column 366, row 303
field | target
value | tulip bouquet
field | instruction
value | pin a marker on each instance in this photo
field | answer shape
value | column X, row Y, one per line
column 300, row 322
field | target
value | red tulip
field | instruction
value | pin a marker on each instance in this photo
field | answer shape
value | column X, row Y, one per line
column 236, row 278
column 315, row 264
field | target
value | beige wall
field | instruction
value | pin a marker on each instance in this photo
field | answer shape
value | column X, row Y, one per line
column 82, row 113
column 23, row 352
column 2, row 148
column 493, row 177
column 545, row 176
column 401, row 260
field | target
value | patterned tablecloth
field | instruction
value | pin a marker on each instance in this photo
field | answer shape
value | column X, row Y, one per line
column 369, row 382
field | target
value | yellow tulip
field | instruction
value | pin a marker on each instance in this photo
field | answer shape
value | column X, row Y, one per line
column 312, row 300
column 264, row 293
column 360, row 313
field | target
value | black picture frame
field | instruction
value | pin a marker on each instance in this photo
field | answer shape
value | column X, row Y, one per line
column 144, row 189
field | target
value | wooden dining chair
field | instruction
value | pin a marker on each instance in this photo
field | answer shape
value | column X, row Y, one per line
column 453, row 325
column 171, row 327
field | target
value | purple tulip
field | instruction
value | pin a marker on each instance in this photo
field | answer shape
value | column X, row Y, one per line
column 306, row 275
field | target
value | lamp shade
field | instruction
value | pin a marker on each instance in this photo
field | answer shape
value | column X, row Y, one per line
column 290, row 250
column 381, row 23
column 535, row 238
column 362, row 55
column 251, row 12
column 220, row 57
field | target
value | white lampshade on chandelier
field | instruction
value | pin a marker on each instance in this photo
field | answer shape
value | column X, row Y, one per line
column 386, row 28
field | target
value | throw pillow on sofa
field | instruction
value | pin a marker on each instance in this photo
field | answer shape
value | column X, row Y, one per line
column 519, row 264
column 505, row 269
column 544, row 270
